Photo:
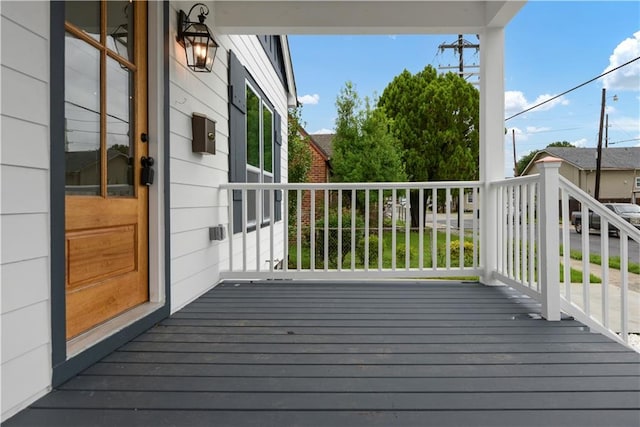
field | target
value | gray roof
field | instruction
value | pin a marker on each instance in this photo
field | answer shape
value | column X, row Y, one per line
column 585, row 158
column 324, row 140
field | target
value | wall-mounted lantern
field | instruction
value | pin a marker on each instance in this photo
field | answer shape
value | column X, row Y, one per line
column 197, row 40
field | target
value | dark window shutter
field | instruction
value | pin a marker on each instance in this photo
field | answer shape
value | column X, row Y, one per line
column 277, row 162
column 237, row 134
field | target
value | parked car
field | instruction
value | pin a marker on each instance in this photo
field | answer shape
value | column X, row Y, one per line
column 627, row 211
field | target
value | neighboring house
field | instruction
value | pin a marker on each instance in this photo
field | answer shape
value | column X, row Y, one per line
column 321, row 158
column 320, row 172
column 90, row 255
column 619, row 173
column 324, row 141
column 83, row 274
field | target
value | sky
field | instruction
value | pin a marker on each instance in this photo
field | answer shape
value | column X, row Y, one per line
column 550, row 47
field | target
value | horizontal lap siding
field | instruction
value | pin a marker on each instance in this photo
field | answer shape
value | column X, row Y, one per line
column 24, row 171
column 196, row 201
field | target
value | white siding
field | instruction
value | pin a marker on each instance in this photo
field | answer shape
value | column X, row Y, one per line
column 24, row 222
column 196, row 201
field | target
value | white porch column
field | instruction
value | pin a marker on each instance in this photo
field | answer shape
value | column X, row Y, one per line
column 491, row 142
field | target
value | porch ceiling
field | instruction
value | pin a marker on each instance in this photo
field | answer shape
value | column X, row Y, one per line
column 361, row 16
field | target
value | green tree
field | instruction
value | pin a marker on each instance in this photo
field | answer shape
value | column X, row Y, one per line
column 526, row 159
column 364, row 149
column 299, row 156
column 436, row 119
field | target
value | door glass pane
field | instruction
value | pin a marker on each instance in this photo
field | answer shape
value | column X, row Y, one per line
column 119, row 26
column 82, row 118
column 120, row 142
column 267, row 129
column 84, row 15
column 253, row 128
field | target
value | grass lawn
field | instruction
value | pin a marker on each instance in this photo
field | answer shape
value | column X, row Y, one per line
column 387, row 253
column 614, row 261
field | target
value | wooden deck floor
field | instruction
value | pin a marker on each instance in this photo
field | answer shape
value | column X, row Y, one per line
column 388, row 354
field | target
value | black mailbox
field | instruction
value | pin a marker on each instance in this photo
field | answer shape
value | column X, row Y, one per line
column 204, row 134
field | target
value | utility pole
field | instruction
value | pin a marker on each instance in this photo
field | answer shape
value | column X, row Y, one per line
column 606, row 131
column 515, row 162
column 459, row 48
column 599, row 159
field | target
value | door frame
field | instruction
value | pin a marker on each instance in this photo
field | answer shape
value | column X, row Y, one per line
column 68, row 361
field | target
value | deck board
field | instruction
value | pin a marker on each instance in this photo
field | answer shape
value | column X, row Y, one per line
column 354, row 354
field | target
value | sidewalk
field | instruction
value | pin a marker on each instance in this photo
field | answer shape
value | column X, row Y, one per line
column 595, row 295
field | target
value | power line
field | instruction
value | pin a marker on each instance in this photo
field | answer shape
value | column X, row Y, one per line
column 624, row 140
column 572, row 89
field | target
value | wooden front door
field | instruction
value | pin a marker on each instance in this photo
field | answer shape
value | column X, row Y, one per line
column 106, row 205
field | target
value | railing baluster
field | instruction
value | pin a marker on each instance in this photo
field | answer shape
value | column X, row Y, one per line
column 524, row 191
column 353, row 229
column 585, row 260
column 340, row 230
column 604, row 263
column 447, row 209
column 245, row 206
column 461, row 227
column 566, row 245
column 476, row 196
column 533, row 193
column 624, row 286
column 421, row 213
column 259, row 210
column 231, row 226
column 312, row 231
column 510, row 218
column 394, row 203
column 380, row 227
column 407, row 229
column 434, row 228
column 272, row 220
column 299, row 229
column 326, row 229
column 366, row 230
column 285, row 215
column 517, row 220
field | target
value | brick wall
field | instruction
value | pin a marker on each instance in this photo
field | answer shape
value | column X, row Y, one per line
column 319, row 173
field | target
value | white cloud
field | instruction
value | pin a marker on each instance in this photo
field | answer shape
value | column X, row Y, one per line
column 628, row 77
column 323, row 130
column 521, row 135
column 515, row 101
column 582, row 142
column 627, row 124
column 309, row 99
column 535, row 129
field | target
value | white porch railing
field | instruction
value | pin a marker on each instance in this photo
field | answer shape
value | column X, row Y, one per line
column 603, row 299
column 356, row 230
column 518, row 234
column 535, row 229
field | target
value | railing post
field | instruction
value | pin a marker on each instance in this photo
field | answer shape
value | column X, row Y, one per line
column 549, row 274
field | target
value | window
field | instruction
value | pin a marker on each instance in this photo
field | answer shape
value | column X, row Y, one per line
column 255, row 142
column 637, row 181
column 259, row 150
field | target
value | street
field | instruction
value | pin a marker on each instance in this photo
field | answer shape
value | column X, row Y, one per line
column 574, row 238
column 594, row 244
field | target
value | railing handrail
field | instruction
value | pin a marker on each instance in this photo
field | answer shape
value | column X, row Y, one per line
column 350, row 185
column 516, row 180
column 600, row 209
